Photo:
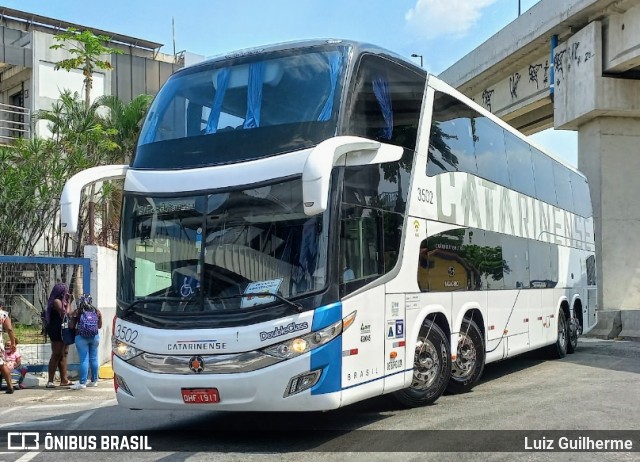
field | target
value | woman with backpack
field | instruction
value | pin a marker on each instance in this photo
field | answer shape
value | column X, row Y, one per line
column 87, row 320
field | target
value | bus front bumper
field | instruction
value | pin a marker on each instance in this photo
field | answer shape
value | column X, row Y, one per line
column 260, row 390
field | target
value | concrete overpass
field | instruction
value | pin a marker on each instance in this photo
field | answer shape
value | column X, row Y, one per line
column 575, row 64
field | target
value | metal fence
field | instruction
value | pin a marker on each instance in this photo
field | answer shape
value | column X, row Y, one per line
column 25, row 284
column 15, row 122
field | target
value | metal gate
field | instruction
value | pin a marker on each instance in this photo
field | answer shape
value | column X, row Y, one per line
column 25, row 284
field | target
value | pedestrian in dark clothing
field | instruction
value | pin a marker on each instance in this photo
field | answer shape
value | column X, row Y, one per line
column 58, row 307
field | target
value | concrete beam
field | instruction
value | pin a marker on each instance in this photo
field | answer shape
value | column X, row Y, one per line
column 16, row 77
column 621, row 37
column 582, row 93
column 534, row 120
column 524, row 37
column 509, row 74
column 524, row 91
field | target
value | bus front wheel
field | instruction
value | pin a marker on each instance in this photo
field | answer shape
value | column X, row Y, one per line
column 431, row 367
column 467, row 369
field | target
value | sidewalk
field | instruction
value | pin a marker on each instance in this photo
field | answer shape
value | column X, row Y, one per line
column 39, row 394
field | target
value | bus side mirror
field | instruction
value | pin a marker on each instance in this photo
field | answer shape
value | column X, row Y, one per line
column 72, row 192
column 344, row 151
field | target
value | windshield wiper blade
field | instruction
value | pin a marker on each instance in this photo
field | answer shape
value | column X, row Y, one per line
column 294, row 305
column 126, row 309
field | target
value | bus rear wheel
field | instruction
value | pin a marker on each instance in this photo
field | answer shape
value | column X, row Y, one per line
column 559, row 349
column 573, row 330
column 467, row 369
column 431, row 367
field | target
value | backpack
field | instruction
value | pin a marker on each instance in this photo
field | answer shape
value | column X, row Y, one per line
column 87, row 324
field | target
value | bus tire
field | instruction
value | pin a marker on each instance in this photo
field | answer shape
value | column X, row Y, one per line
column 431, row 367
column 559, row 348
column 572, row 330
column 467, row 369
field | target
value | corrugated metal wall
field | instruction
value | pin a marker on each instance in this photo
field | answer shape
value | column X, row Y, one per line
column 135, row 75
column 11, row 53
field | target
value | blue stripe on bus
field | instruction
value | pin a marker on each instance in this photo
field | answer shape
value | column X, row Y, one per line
column 326, row 315
column 327, row 357
column 379, row 378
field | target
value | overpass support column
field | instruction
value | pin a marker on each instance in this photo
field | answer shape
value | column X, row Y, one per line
column 609, row 154
column 605, row 110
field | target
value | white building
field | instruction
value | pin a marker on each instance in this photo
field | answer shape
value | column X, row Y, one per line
column 28, row 81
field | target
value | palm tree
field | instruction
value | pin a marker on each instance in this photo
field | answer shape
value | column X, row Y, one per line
column 125, row 119
column 85, row 49
column 82, row 139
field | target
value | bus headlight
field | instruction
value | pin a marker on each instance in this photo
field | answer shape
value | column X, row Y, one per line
column 123, row 350
column 300, row 345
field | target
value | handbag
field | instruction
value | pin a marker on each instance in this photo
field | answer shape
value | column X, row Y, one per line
column 68, row 333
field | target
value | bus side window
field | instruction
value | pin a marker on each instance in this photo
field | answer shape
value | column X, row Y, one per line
column 451, row 142
column 423, row 266
column 387, row 102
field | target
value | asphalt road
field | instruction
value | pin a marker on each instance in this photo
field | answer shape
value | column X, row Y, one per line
column 597, row 388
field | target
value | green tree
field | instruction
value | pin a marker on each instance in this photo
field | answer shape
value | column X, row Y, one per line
column 80, row 135
column 33, row 173
column 87, row 51
column 125, row 121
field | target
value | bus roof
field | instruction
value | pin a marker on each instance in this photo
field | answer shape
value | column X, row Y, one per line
column 358, row 47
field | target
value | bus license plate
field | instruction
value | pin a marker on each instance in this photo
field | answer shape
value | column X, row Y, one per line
column 200, row 395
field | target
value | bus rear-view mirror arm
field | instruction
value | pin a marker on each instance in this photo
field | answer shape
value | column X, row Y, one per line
column 343, row 151
column 72, row 192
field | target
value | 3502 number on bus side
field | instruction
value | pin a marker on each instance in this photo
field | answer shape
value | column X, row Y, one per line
column 126, row 334
column 425, row 195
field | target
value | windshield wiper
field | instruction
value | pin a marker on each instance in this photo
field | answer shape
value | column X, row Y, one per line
column 294, row 305
column 126, row 309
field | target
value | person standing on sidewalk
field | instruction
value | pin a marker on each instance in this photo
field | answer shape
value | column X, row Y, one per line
column 57, row 309
column 5, row 326
column 87, row 320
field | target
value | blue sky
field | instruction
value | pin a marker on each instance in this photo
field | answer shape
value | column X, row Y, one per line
column 442, row 31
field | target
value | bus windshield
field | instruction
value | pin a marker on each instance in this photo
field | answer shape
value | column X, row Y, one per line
column 242, row 108
column 215, row 252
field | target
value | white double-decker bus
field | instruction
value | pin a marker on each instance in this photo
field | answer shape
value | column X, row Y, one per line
column 312, row 224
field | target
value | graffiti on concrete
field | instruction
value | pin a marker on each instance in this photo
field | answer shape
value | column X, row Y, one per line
column 486, row 98
column 564, row 60
column 575, row 56
column 557, row 65
column 513, row 84
column 533, row 74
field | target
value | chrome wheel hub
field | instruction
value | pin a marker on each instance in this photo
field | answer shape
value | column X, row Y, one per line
column 465, row 362
column 426, row 365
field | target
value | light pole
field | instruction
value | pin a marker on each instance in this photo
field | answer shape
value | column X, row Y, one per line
column 415, row 55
